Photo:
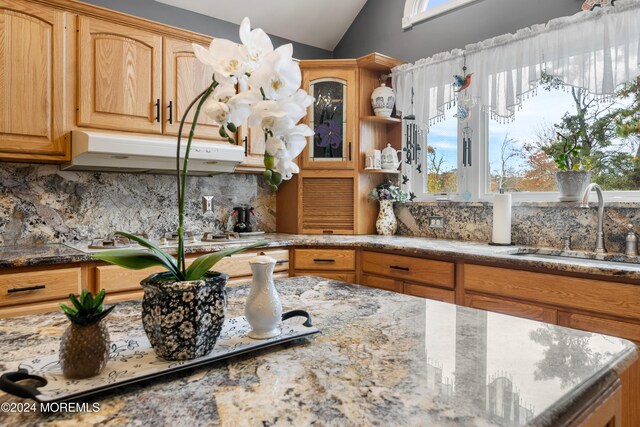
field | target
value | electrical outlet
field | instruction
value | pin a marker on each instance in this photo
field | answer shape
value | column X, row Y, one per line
column 207, row 204
column 436, row 222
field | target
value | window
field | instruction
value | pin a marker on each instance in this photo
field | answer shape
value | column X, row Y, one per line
column 518, row 155
column 420, row 10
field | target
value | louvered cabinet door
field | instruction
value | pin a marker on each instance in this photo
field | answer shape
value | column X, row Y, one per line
column 184, row 79
column 32, row 46
column 328, row 205
column 119, row 77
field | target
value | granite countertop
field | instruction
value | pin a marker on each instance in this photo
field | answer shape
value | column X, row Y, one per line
column 382, row 359
column 605, row 265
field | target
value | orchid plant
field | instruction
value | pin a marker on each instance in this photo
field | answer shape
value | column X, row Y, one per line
column 252, row 84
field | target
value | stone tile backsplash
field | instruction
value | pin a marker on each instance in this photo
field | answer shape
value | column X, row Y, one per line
column 533, row 224
column 41, row 204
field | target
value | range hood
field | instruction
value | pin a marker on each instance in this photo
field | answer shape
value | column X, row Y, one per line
column 118, row 152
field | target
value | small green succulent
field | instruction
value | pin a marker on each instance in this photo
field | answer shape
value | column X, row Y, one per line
column 86, row 309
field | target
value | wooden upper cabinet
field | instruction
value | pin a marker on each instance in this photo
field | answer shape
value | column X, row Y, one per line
column 32, row 49
column 184, row 79
column 333, row 117
column 119, row 77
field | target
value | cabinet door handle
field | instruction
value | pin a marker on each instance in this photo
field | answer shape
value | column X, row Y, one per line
column 170, row 112
column 349, row 151
column 327, row 231
column 397, row 267
column 323, row 260
column 30, row 288
column 282, row 261
column 158, row 110
column 245, row 141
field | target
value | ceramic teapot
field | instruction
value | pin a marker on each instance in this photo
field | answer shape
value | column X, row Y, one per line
column 391, row 158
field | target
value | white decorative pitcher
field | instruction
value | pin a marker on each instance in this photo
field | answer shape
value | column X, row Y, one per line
column 263, row 309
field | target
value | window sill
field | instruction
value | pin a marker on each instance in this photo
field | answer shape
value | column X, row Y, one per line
column 523, row 203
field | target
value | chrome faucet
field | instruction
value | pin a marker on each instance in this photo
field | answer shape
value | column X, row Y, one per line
column 585, row 204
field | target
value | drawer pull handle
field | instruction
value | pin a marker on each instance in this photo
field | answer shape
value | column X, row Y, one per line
column 30, row 288
column 327, row 231
column 282, row 261
column 397, row 267
column 323, row 260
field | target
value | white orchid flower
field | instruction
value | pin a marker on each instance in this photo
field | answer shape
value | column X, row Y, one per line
column 275, row 146
column 294, row 137
column 278, row 75
column 240, row 106
column 286, row 167
column 257, row 42
column 218, row 111
column 229, row 60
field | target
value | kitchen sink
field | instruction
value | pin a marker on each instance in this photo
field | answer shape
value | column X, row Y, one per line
column 583, row 257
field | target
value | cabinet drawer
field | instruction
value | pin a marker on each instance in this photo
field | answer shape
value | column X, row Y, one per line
column 117, row 279
column 341, row 277
column 630, row 331
column 21, row 288
column 382, row 283
column 438, row 273
column 512, row 308
column 238, row 265
column 617, row 299
column 429, row 293
column 325, row 259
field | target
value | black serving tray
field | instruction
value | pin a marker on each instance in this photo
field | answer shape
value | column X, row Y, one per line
column 133, row 360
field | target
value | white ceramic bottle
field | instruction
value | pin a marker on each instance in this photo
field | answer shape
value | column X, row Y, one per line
column 263, row 309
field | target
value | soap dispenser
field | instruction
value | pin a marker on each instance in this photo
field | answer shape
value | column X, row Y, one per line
column 631, row 248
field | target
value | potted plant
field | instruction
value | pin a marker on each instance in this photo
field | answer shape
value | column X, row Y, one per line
column 575, row 172
column 183, row 308
column 387, row 193
column 84, row 348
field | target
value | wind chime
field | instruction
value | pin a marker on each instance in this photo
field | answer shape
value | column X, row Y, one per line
column 461, row 83
column 412, row 152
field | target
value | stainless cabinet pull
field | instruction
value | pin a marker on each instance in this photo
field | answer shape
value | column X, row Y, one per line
column 30, row 288
column 158, row 110
column 323, row 260
column 170, row 112
column 396, row 267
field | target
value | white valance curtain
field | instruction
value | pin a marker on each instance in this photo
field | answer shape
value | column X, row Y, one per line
column 597, row 50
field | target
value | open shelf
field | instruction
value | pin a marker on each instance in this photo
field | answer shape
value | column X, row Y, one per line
column 381, row 171
column 381, row 119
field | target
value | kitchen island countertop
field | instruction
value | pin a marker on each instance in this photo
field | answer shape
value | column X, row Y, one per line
column 382, row 358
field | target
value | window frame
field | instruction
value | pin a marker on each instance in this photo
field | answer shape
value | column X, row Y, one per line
column 415, row 11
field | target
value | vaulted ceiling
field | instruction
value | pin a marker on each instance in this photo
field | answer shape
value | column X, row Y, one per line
column 320, row 23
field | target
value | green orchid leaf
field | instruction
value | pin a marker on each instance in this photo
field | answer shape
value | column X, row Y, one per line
column 147, row 244
column 134, row 259
column 203, row 264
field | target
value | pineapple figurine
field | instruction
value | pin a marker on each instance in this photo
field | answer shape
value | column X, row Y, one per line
column 84, row 349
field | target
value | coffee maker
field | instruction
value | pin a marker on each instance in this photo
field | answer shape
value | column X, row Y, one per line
column 243, row 223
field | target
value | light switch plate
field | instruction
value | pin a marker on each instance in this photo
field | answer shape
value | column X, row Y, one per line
column 436, row 222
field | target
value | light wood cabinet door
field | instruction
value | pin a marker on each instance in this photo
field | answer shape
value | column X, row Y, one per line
column 32, row 56
column 324, row 259
column 628, row 330
column 119, row 77
column 328, row 205
column 382, row 283
column 253, row 143
column 430, row 272
column 512, row 308
column 429, row 292
column 184, row 79
column 333, row 117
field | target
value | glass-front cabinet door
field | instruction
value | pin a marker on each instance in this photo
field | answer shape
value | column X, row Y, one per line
column 332, row 118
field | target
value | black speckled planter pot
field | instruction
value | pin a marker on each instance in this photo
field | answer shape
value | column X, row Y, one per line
column 183, row 319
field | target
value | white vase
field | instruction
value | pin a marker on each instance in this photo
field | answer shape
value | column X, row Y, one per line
column 263, row 309
column 387, row 224
column 382, row 100
column 571, row 184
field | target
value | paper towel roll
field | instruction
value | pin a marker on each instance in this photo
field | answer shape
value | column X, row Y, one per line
column 502, row 219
